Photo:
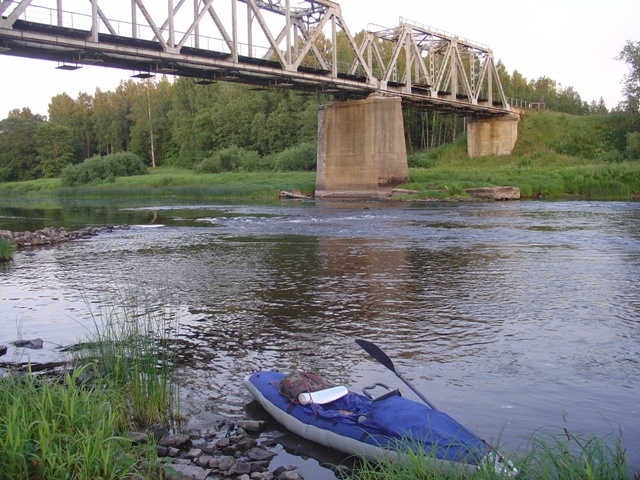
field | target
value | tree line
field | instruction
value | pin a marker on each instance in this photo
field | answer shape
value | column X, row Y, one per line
column 185, row 124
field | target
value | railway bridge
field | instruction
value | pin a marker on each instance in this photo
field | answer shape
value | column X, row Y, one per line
column 272, row 44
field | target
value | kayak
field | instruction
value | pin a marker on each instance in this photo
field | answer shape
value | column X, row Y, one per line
column 376, row 428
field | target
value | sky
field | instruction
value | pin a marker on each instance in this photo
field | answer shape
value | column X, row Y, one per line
column 573, row 42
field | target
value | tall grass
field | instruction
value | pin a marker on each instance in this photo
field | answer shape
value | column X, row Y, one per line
column 130, row 351
column 63, row 428
column 546, row 456
column 6, row 250
column 74, row 426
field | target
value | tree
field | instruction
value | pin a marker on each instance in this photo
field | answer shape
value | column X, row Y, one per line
column 75, row 115
column 54, row 148
column 110, row 123
column 17, row 146
column 630, row 54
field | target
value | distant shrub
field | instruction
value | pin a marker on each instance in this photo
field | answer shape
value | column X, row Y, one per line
column 231, row 159
column 612, row 156
column 301, row 158
column 633, row 145
column 107, row 168
column 422, row 159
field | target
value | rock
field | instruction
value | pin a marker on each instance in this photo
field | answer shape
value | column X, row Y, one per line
column 35, row 344
column 251, row 425
column 240, row 468
column 204, row 460
column 495, row 193
column 185, row 472
column 290, row 475
column 158, row 430
column 3, row 350
column 176, row 440
column 260, row 454
column 225, row 463
column 193, row 453
column 138, row 438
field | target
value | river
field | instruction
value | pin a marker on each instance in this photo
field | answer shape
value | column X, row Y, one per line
column 512, row 317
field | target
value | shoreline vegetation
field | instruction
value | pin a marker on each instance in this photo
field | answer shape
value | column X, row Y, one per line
column 114, row 413
column 557, row 156
column 112, row 410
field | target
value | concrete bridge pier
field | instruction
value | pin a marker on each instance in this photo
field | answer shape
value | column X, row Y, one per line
column 492, row 136
column 361, row 147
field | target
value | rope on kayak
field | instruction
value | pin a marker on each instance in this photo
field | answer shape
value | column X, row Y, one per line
column 313, row 404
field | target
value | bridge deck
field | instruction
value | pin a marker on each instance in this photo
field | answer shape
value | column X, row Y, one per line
column 424, row 68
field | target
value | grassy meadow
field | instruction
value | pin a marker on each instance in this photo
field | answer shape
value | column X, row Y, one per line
column 556, row 156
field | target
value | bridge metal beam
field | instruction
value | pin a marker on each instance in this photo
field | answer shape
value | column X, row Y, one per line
column 279, row 44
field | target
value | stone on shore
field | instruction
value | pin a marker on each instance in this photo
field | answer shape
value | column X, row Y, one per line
column 35, row 344
column 495, row 193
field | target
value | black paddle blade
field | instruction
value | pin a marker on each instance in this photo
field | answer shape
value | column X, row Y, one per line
column 376, row 353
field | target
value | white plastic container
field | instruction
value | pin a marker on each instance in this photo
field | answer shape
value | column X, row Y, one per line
column 323, row 396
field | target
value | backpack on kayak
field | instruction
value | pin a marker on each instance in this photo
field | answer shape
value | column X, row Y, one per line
column 293, row 384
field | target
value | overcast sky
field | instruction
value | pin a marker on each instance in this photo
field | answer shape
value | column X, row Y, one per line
column 573, row 42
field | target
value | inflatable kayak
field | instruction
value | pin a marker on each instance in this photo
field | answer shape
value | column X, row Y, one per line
column 359, row 425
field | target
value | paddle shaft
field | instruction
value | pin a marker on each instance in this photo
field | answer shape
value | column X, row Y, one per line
column 422, row 397
column 375, row 351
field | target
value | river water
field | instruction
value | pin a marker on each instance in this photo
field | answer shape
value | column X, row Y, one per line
column 512, row 317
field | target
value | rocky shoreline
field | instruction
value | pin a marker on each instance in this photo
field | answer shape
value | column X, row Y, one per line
column 235, row 451
column 231, row 450
column 53, row 236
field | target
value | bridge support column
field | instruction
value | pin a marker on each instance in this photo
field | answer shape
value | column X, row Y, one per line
column 361, row 148
column 492, row 136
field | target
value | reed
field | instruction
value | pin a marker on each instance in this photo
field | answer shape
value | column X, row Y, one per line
column 7, row 249
column 59, row 428
column 130, row 351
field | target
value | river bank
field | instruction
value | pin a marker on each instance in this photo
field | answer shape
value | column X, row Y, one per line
column 446, row 287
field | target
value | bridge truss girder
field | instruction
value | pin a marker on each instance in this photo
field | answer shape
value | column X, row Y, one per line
column 438, row 64
column 274, row 45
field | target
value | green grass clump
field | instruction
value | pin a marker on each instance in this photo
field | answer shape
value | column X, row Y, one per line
column 130, row 351
column 7, row 249
column 547, row 456
column 63, row 428
column 75, row 426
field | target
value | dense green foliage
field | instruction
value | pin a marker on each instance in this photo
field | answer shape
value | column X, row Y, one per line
column 107, row 168
column 75, row 425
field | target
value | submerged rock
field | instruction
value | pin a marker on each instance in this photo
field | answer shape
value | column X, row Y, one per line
column 35, row 344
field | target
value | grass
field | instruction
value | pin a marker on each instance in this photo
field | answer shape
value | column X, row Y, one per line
column 547, row 456
column 130, row 351
column 63, row 428
column 168, row 182
column 556, row 156
column 75, row 425
column 7, row 249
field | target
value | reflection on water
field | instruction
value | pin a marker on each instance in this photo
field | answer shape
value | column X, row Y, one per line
column 510, row 316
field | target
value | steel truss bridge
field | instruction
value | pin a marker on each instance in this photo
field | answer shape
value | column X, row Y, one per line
column 265, row 43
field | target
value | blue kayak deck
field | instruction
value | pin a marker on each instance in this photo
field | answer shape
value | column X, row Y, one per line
column 393, row 423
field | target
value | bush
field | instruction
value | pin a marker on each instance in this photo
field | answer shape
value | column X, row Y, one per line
column 107, row 168
column 231, row 159
column 422, row 159
column 301, row 158
column 633, row 145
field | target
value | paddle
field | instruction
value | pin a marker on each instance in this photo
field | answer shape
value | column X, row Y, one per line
column 384, row 359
